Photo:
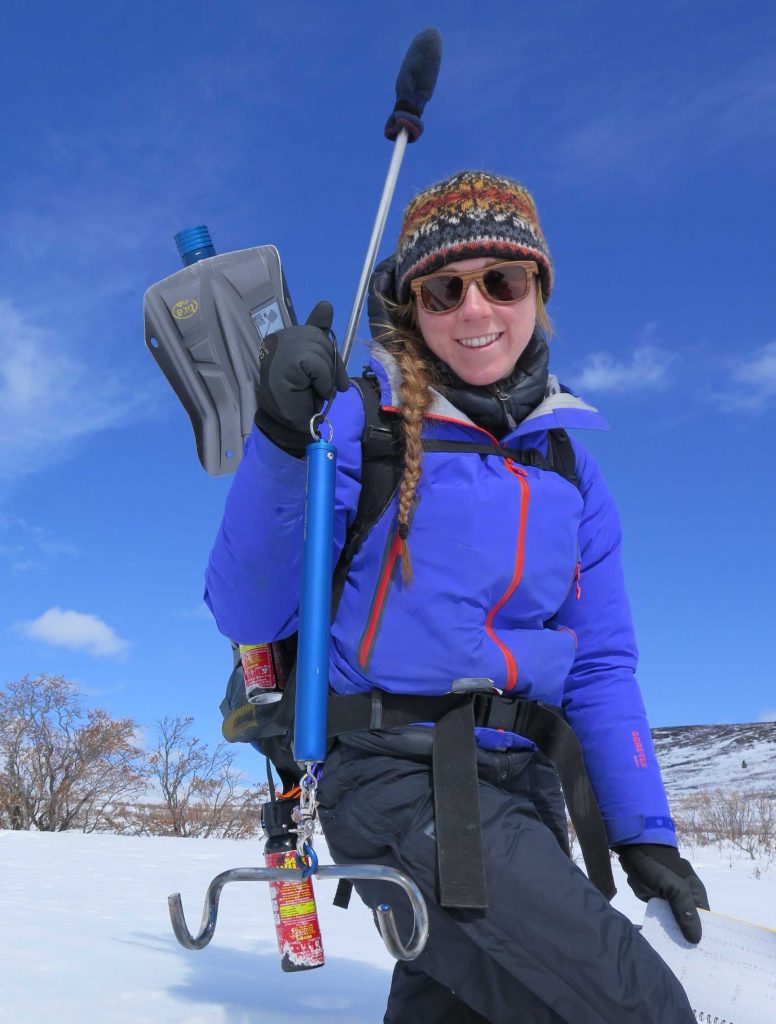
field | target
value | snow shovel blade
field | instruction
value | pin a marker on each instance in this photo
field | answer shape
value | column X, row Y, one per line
column 204, row 326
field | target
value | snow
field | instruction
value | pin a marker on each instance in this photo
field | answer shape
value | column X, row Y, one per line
column 86, row 937
column 739, row 756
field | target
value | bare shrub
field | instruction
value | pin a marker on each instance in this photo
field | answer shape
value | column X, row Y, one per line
column 200, row 794
column 240, row 819
column 692, row 820
column 62, row 767
column 743, row 820
column 763, row 807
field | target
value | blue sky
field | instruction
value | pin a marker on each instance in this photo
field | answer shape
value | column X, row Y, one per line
column 647, row 134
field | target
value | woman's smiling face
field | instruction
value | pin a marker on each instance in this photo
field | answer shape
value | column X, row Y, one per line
column 480, row 341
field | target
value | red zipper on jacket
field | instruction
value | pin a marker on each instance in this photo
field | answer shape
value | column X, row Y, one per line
column 390, row 557
column 525, row 495
column 393, row 551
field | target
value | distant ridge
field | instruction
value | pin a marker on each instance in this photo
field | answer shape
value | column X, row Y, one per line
column 730, row 757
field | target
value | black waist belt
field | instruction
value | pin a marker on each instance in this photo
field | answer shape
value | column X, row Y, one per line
column 454, row 765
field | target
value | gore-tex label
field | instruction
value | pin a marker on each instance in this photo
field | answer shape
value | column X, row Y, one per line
column 640, row 758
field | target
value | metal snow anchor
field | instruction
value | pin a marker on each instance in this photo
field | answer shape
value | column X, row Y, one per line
column 354, row 872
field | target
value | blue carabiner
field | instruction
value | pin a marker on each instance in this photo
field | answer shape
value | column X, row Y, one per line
column 312, row 861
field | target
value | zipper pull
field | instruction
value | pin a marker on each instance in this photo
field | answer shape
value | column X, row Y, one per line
column 577, row 572
column 503, row 397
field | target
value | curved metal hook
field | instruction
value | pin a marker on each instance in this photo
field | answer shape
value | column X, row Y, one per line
column 355, row 872
column 210, row 912
column 384, row 914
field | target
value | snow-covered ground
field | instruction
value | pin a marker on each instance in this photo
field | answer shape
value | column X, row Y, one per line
column 739, row 756
column 85, row 936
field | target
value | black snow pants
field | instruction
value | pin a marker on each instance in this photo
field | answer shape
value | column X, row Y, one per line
column 549, row 949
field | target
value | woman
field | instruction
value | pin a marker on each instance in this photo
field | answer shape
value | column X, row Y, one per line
column 487, row 572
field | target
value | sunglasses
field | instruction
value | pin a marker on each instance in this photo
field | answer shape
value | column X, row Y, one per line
column 502, row 283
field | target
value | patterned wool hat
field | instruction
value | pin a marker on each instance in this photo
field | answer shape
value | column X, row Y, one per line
column 470, row 214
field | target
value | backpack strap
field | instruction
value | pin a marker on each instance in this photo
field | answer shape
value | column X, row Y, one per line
column 382, row 447
column 560, row 457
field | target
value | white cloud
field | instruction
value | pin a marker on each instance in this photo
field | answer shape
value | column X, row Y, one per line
column 767, row 716
column 651, row 124
column 51, row 397
column 754, row 379
column 31, row 545
column 76, row 630
column 645, row 369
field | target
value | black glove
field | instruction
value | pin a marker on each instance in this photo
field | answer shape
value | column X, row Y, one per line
column 300, row 369
column 655, row 870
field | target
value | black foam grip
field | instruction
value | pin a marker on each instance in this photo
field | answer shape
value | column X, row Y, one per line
column 419, row 72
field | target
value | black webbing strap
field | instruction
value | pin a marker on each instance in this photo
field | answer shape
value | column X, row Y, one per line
column 454, row 755
column 378, row 709
column 555, row 738
column 560, row 457
column 343, row 893
column 475, row 447
column 382, row 446
column 459, row 839
column 460, row 853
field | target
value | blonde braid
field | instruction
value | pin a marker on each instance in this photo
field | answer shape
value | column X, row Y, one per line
column 405, row 344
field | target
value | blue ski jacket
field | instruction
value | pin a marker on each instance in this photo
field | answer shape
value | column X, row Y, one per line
column 517, row 576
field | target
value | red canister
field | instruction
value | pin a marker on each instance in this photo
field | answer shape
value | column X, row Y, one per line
column 293, row 902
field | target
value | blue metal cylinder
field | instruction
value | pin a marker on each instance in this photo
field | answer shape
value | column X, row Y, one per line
column 312, row 664
column 194, row 244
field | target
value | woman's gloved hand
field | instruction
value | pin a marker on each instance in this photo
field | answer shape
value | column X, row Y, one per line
column 300, row 370
column 656, row 870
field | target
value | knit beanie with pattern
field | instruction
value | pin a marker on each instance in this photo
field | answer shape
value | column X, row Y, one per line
column 473, row 213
